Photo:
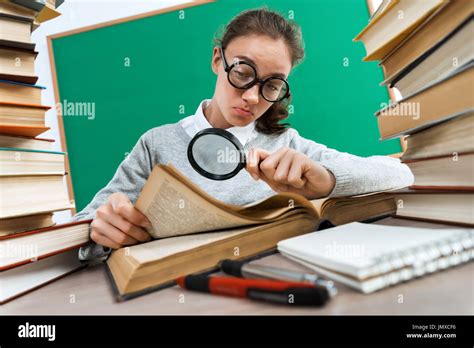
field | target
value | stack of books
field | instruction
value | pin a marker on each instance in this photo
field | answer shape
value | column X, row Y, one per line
column 31, row 174
column 426, row 50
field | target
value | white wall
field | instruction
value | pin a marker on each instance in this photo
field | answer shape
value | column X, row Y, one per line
column 396, row 93
column 78, row 14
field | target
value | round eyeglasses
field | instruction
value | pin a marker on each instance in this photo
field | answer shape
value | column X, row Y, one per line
column 243, row 75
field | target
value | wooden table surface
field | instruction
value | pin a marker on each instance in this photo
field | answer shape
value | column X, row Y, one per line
column 450, row 292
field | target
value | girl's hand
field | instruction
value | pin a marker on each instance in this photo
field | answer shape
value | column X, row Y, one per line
column 118, row 223
column 288, row 170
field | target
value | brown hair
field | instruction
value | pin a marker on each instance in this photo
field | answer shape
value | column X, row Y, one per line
column 262, row 21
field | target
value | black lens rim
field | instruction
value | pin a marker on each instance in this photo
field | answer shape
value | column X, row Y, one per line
column 256, row 80
column 229, row 136
column 275, row 78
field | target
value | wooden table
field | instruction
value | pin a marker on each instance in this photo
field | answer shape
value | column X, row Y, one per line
column 450, row 292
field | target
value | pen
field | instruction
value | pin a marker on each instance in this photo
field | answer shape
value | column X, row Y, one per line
column 257, row 289
column 246, row 270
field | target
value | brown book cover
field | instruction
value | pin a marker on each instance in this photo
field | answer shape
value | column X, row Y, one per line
column 385, row 31
column 424, row 109
column 19, row 78
column 24, row 105
column 26, row 223
column 446, row 205
column 29, row 131
column 446, row 138
column 46, row 229
column 446, row 172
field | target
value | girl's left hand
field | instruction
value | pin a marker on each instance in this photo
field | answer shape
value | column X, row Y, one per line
column 288, row 170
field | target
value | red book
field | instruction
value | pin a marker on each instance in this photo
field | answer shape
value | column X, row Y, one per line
column 25, row 247
column 33, row 259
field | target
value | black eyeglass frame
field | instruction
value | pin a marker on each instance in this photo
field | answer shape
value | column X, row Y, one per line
column 256, row 80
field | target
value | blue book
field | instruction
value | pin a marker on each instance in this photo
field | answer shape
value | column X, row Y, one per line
column 22, row 84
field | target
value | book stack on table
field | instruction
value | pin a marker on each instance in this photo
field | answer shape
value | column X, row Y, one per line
column 33, row 251
column 426, row 51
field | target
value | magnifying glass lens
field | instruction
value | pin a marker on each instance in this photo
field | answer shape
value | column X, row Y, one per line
column 216, row 154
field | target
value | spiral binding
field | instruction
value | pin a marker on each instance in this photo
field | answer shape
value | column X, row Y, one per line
column 417, row 261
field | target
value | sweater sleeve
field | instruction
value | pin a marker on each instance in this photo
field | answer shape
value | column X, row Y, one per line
column 129, row 178
column 354, row 175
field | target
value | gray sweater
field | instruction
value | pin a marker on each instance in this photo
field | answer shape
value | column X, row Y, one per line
column 168, row 143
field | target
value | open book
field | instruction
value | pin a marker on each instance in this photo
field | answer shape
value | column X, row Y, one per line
column 194, row 231
column 176, row 206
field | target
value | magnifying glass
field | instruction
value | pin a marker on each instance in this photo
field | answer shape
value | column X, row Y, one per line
column 216, row 154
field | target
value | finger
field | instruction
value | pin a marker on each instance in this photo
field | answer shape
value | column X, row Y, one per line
column 104, row 240
column 126, row 226
column 269, row 164
column 295, row 175
column 280, row 186
column 283, row 168
column 277, row 187
column 112, row 233
column 107, row 214
column 123, row 207
column 255, row 156
column 269, row 183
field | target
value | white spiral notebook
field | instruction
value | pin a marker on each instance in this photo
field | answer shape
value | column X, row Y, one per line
column 369, row 257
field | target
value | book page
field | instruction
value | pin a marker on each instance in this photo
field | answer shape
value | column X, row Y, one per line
column 174, row 210
column 274, row 206
column 358, row 208
column 175, row 206
column 265, row 209
column 171, row 170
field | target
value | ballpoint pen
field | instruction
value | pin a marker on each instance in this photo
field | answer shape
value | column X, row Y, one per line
column 246, row 270
column 281, row 292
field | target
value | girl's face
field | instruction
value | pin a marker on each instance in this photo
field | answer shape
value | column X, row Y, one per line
column 270, row 57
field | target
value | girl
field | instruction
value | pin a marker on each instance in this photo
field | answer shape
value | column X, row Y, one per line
column 252, row 61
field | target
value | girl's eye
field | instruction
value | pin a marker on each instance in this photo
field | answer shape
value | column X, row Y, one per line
column 242, row 75
column 273, row 88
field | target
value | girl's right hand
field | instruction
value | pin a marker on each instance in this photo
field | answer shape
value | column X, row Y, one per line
column 118, row 223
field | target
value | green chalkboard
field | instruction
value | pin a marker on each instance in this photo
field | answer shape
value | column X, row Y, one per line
column 155, row 70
